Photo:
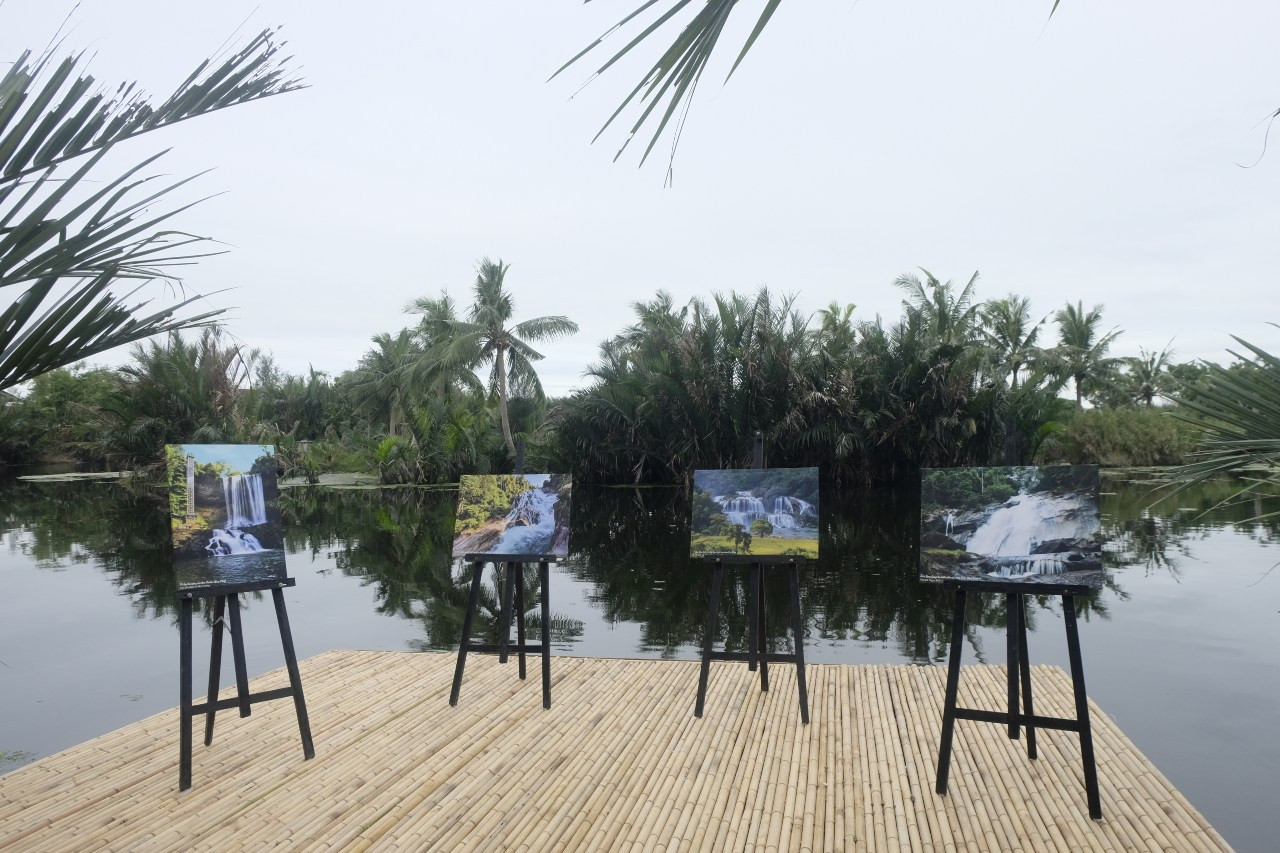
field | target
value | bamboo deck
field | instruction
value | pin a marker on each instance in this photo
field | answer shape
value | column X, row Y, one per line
column 618, row 763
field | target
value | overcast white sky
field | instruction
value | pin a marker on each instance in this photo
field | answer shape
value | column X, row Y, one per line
column 1095, row 158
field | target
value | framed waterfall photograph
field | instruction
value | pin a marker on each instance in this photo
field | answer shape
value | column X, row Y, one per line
column 764, row 511
column 525, row 514
column 223, row 514
column 1029, row 524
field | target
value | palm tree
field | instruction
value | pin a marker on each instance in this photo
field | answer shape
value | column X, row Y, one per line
column 488, row 336
column 434, row 331
column 948, row 319
column 1006, row 323
column 174, row 391
column 69, row 234
column 1149, row 373
column 835, row 333
column 379, row 383
column 1080, row 347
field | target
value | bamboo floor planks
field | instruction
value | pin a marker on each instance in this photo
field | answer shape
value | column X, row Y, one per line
column 618, row 763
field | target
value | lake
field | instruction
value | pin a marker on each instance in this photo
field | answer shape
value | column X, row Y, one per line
column 1180, row 644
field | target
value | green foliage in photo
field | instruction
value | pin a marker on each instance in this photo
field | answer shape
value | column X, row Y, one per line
column 482, row 499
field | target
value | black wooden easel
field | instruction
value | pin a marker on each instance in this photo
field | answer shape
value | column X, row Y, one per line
column 243, row 699
column 1019, row 667
column 512, row 589
column 756, row 651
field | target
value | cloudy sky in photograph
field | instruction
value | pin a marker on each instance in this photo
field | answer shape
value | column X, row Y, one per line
column 1112, row 155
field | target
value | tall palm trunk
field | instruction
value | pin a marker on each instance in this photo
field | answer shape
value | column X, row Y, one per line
column 502, row 402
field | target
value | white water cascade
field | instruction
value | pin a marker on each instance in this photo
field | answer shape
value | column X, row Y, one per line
column 223, row 543
column 743, row 508
column 246, row 505
column 1013, row 532
column 537, row 507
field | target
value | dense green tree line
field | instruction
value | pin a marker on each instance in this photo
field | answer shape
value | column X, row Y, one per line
column 952, row 381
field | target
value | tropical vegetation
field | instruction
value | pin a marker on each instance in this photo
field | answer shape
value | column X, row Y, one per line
column 954, row 380
column 1238, row 410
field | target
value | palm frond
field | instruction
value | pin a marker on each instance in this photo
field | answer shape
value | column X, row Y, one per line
column 675, row 75
column 60, row 232
column 87, row 120
column 1238, row 409
column 545, row 328
column 679, row 67
column 86, row 320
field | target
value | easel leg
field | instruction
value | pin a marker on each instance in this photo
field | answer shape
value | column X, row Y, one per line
column 1012, row 610
column 762, row 632
column 544, row 577
column 797, row 627
column 476, row 570
column 295, row 677
column 184, row 693
column 713, row 605
column 1024, row 664
column 753, row 615
column 504, row 610
column 215, row 665
column 953, row 688
column 1082, row 708
column 237, row 654
column 520, row 615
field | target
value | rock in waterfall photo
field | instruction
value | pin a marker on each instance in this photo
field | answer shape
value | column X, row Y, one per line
column 1029, row 524
column 223, row 514
column 524, row 514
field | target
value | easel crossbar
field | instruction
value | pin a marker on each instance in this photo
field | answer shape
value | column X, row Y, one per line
column 1058, row 723
column 234, row 702
column 491, row 648
column 771, row 657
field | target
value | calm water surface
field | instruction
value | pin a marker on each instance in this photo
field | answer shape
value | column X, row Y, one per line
column 1180, row 646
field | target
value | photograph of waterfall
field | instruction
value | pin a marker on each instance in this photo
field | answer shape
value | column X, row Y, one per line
column 1030, row 524
column 513, row 514
column 766, row 511
column 223, row 514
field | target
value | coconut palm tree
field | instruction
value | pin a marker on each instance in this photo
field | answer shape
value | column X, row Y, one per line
column 489, row 336
column 379, row 382
column 948, row 319
column 1007, row 327
column 441, row 378
column 70, row 234
column 1082, row 348
column 1149, row 374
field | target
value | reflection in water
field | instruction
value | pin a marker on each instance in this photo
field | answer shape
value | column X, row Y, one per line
column 400, row 542
column 630, row 549
column 1158, row 536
